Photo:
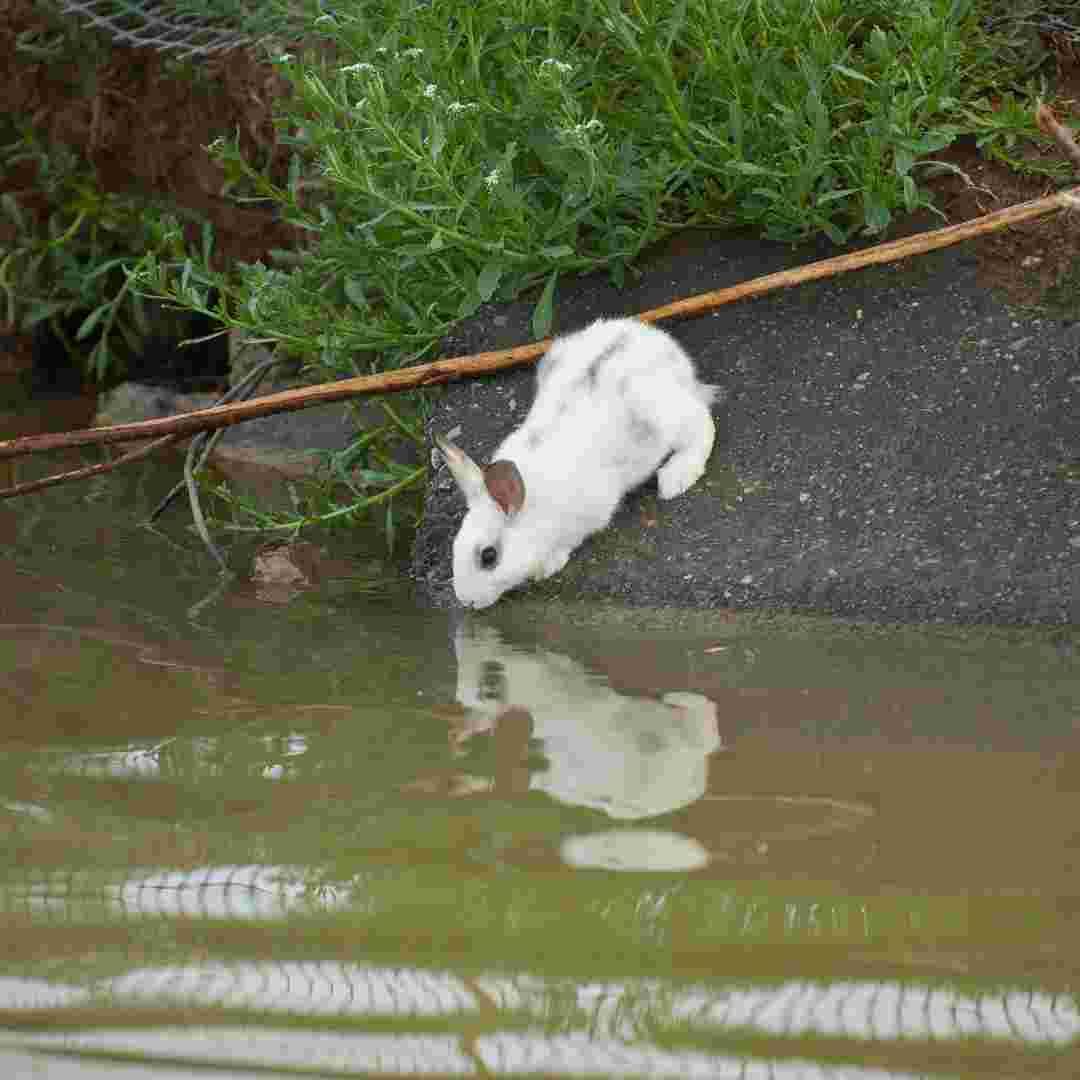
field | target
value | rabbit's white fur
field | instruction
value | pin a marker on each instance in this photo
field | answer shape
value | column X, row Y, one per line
column 615, row 403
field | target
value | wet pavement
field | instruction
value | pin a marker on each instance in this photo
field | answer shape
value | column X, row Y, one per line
column 896, row 444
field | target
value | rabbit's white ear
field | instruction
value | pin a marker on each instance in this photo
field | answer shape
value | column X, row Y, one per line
column 500, row 480
column 469, row 475
column 505, row 485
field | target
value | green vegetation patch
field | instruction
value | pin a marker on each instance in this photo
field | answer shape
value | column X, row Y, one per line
column 448, row 156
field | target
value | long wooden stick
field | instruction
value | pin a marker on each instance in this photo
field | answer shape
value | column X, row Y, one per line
column 440, row 371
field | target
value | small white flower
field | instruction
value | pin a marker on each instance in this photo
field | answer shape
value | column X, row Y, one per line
column 357, row 69
column 382, row 50
column 284, row 58
column 557, row 65
column 430, row 90
column 456, row 107
column 412, row 54
column 492, row 179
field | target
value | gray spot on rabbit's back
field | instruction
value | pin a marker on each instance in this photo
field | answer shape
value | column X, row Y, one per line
column 641, row 429
column 592, row 372
column 534, row 440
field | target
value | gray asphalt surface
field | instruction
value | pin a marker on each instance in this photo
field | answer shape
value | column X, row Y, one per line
column 892, row 444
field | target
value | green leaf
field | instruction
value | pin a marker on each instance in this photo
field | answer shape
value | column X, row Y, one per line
column 544, row 310
column 676, row 23
column 489, row 279
column 876, row 214
column 469, row 305
column 354, row 291
column 833, row 196
column 559, row 251
column 911, row 197
column 99, row 359
column 437, row 141
column 931, row 141
column 39, row 312
column 748, row 168
column 851, row 73
column 91, row 320
column 878, row 47
column 105, row 267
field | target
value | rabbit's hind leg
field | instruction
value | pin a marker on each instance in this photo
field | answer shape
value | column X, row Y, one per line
column 692, row 431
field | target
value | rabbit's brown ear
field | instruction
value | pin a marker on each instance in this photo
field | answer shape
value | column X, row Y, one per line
column 505, row 486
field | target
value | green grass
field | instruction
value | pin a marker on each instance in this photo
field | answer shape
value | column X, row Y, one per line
column 448, row 155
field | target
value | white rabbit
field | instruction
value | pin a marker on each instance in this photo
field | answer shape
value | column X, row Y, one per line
column 615, row 403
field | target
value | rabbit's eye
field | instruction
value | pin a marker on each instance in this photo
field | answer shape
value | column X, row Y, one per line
column 489, row 556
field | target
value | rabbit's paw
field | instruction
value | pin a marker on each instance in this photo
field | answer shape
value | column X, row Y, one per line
column 680, row 472
column 692, row 448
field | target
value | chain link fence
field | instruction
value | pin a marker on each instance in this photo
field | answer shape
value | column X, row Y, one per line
column 183, row 30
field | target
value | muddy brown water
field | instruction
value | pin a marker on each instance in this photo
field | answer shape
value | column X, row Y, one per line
column 300, row 824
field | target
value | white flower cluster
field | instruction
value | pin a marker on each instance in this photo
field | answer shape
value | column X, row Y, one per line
column 580, row 132
column 491, row 181
column 358, row 69
column 457, row 107
column 412, row 54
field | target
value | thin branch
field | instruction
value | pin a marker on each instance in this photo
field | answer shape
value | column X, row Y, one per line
column 87, row 471
column 199, row 450
column 203, row 443
column 196, row 507
column 1063, row 136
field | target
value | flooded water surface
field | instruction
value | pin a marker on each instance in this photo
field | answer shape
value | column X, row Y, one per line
column 296, row 824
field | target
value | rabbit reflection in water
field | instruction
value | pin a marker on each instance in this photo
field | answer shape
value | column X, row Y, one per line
column 615, row 403
column 629, row 757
